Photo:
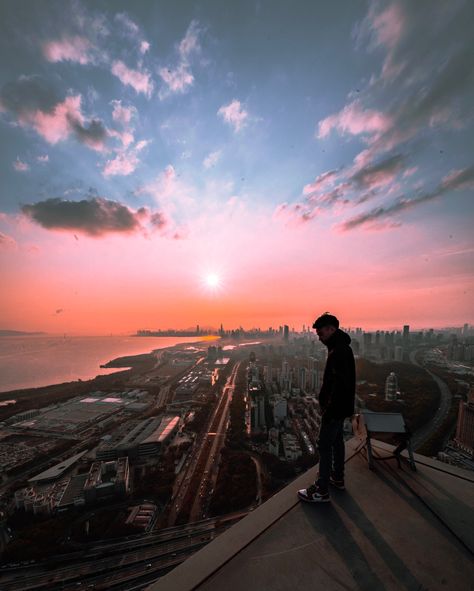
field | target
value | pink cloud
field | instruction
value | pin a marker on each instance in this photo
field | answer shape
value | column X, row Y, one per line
column 355, row 120
column 43, row 159
column 126, row 138
column 459, row 179
column 7, row 242
column 177, row 80
column 73, row 49
column 144, row 47
column 122, row 114
column 20, row 166
column 321, row 182
column 55, row 126
column 410, row 171
column 389, row 26
column 125, row 162
column 139, row 81
column 122, row 165
column 190, row 42
column 65, row 119
column 212, row 159
column 234, row 114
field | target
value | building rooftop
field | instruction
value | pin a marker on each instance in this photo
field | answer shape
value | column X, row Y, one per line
column 391, row 529
column 57, row 470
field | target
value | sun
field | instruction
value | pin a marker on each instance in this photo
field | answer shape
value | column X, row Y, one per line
column 212, row 281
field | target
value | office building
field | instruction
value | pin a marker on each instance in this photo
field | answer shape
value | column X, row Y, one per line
column 464, row 437
column 391, row 387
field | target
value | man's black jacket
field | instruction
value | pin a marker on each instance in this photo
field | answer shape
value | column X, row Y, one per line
column 336, row 398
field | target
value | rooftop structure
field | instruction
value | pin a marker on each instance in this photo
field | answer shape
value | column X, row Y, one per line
column 145, row 438
column 58, row 470
column 107, row 478
column 391, row 529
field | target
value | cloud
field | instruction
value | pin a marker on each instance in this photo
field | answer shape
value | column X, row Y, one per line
column 92, row 134
column 164, row 186
column 95, row 216
column 321, row 182
column 381, row 217
column 380, row 174
column 144, row 47
column 138, row 80
column 355, row 120
column 127, row 22
column 125, row 162
column 179, row 78
column 132, row 30
column 36, row 105
column 428, row 79
column 122, row 165
column 43, row 159
column 122, row 114
column 212, row 159
column 20, row 166
column 28, row 94
column 190, row 42
column 7, row 242
column 74, row 49
column 335, row 190
column 234, row 114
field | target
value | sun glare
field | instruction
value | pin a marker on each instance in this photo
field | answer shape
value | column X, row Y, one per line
column 213, row 281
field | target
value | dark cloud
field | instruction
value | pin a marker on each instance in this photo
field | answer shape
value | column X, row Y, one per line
column 427, row 79
column 380, row 173
column 158, row 220
column 95, row 216
column 27, row 94
column 456, row 180
column 93, row 135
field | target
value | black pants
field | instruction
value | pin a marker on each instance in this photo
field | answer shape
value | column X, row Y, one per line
column 331, row 451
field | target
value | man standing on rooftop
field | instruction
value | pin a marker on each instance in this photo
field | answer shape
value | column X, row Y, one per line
column 336, row 401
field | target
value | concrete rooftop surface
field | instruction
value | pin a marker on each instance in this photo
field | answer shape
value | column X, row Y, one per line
column 391, row 529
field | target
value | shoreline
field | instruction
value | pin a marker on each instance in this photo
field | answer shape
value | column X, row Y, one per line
column 124, row 365
column 42, row 396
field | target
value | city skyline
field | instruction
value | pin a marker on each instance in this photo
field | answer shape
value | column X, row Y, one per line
column 254, row 166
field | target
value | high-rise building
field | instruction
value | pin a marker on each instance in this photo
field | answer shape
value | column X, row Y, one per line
column 398, row 353
column 391, row 386
column 406, row 335
column 302, row 378
column 286, row 333
column 464, row 438
column 280, row 410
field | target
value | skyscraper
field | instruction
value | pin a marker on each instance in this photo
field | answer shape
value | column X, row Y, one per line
column 391, row 386
column 465, row 426
column 406, row 335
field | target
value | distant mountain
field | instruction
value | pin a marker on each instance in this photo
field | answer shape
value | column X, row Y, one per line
column 17, row 333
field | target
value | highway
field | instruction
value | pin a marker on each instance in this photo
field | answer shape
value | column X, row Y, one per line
column 422, row 434
column 195, row 482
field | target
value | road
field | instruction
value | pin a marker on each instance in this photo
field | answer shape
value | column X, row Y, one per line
column 422, row 434
column 217, row 438
column 196, row 475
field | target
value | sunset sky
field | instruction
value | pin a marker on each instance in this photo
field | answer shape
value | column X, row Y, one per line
column 255, row 163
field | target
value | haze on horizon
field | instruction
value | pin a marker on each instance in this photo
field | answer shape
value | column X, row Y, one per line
column 253, row 164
